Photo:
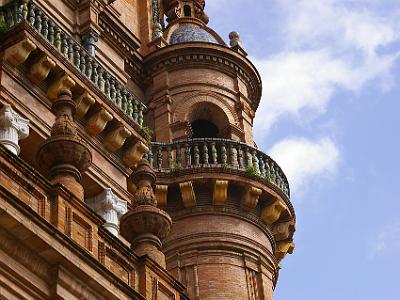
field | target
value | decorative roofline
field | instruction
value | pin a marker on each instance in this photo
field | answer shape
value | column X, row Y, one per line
column 210, row 55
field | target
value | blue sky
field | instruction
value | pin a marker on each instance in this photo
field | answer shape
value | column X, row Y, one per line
column 329, row 116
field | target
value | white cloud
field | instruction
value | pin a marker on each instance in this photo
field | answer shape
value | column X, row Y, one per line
column 329, row 46
column 388, row 241
column 303, row 159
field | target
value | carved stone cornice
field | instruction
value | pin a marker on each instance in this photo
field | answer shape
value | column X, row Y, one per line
column 210, row 55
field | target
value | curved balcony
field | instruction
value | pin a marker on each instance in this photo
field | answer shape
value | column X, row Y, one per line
column 214, row 154
column 27, row 11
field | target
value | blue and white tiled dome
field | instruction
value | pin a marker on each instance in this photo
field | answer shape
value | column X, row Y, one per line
column 187, row 33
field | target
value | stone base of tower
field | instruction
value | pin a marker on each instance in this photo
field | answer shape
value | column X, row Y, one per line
column 220, row 255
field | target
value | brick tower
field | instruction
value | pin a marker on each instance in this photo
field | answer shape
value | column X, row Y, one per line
column 229, row 202
column 128, row 168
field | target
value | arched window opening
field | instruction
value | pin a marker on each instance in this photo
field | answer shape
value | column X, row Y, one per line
column 204, row 129
column 187, row 10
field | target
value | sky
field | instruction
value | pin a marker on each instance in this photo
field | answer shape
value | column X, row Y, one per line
column 329, row 117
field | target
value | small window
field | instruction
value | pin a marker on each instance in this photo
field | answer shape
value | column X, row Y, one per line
column 187, row 11
column 204, row 129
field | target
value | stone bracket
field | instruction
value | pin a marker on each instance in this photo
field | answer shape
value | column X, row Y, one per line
column 116, row 138
column 283, row 231
column 273, row 212
column 83, row 103
column 283, row 248
column 98, row 122
column 220, row 196
column 161, row 196
column 64, row 82
column 250, row 198
column 135, row 153
column 18, row 53
column 41, row 69
column 187, row 193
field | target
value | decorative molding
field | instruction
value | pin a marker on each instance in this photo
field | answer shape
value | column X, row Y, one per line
column 108, row 206
column 12, row 128
column 250, row 198
column 220, row 195
column 74, row 286
column 272, row 213
column 23, row 255
column 116, row 138
column 83, row 103
column 135, row 153
column 161, row 196
column 98, row 121
column 187, row 193
column 18, row 53
column 64, row 82
column 214, row 56
column 41, row 69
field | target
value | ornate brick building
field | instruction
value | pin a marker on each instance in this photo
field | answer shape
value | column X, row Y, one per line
column 128, row 168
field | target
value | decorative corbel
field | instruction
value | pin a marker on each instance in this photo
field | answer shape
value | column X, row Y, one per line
column 283, row 248
column 98, row 122
column 187, row 193
column 283, row 231
column 116, row 138
column 83, row 103
column 272, row 213
column 250, row 198
column 64, row 82
column 220, row 196
column 135, row 153
column 41, row 69
column 161, row 195
column 19, row 52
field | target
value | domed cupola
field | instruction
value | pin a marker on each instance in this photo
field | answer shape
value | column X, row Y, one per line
column 187, row 23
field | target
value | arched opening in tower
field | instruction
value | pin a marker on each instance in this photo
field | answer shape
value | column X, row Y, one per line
column 204, row 129
column 187, row 11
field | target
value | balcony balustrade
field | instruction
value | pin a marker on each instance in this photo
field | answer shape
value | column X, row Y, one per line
column 27, row 11
column 216, row 154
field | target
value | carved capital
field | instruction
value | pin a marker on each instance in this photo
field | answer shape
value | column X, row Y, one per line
column 63, row 83
column 220, row 196
column 12, row 128
column 250, row 198
column 108, row 206
column 135, row 153
column 272, row 213
column 83, row 103
column 283, row 231
column 41, row 69
column 98, row 122
column 161, row 195
column 283, row 248
column 187, row 193
column 19, row 52
column 116, row 138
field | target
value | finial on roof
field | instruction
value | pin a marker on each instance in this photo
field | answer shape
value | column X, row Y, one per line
column 175, row 9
